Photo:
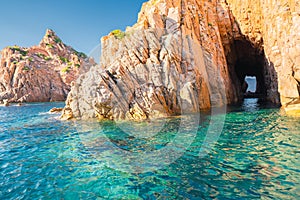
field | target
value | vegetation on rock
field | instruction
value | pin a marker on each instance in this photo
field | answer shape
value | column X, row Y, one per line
column 49, row 45
column 66, row 69
column 57, row 40
column 17, row 48
column 118, row 34
column 40, row 73
column 77, row 65
column 26, row 68
column 79, row 54
column 63, row 59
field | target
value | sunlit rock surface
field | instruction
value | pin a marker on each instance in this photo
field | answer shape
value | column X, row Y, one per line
column 186, row 55
column 40, row 73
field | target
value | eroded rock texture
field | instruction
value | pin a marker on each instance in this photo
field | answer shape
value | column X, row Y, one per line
column 40, row 73
column 186, row 55
column 273, row 26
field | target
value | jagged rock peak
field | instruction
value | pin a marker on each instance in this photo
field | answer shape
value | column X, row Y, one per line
column 50, row 35
column 52, row 41
column 50, row 32
column 41, row 73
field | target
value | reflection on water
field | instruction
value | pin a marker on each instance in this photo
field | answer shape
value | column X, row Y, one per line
column 251, row 104
column 256, row 157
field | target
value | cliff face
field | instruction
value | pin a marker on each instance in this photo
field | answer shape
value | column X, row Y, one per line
column 40, row 73
column 186, row 55
column 273, row 26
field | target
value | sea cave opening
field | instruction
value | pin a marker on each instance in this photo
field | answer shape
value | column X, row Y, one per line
column 249, row 70
column 251, row 84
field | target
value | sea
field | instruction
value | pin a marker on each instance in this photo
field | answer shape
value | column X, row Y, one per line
column 250, row 151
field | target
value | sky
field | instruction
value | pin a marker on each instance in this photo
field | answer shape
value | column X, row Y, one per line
column 251, row 83
column 79, row 23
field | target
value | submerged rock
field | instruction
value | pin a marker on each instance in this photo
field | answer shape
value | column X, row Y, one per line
column 56, row 110
column 67, row 114
column 6, row 102
column 182, row 56
column 40, row 73
column 292, row 110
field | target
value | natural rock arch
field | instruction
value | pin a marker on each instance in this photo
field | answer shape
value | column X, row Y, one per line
column 249, row 60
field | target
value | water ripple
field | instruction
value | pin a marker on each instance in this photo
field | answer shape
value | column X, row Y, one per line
column 256, row 157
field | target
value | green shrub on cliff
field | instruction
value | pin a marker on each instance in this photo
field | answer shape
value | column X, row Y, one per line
column 63, row 59
column 26, row 68
column 118, row 34
column 23, row 53
column 17, row 48
column 79, row 54
column 40, row 55
column 47, row 58
column 49, row 45
column 66, row 69
column 57, row 40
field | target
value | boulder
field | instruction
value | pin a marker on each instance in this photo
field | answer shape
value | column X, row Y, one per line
column 56, row 110
column 6, row 102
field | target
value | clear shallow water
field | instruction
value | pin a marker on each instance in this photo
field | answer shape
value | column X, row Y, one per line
column 255, row 157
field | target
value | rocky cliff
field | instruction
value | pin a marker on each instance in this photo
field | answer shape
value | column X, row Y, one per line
column 40, row 73
column 186, row 55
column 273, row 27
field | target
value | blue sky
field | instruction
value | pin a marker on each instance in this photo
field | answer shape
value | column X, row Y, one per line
column 79, row 23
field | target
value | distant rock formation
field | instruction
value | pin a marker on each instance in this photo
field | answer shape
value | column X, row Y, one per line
column 40, row 73
column 187, row 55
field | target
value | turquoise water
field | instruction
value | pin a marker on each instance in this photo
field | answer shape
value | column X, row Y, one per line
column 256, row 156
